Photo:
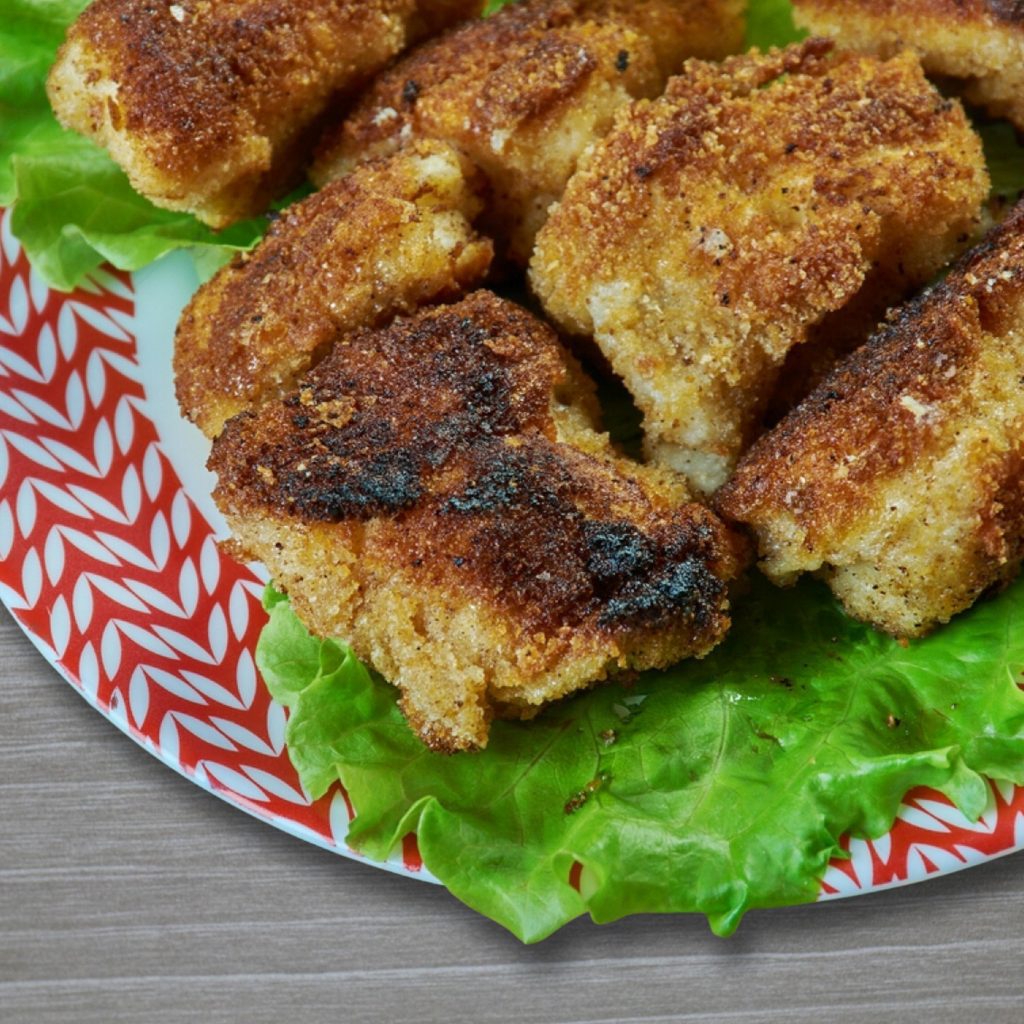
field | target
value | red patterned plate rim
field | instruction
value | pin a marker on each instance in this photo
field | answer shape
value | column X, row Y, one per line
column 109, row 562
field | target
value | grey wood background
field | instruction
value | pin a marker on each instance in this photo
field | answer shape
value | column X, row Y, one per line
column 129, row 895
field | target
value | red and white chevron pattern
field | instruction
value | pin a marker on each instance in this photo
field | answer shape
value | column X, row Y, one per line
column 107, row 563
column 930, row 837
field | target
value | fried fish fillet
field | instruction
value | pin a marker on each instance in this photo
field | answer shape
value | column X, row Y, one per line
column 713, row 228
column 525, row 91
column 981, row 41
column 210, row 106
column 391, row 236
column 435, row 494
column 900, row 480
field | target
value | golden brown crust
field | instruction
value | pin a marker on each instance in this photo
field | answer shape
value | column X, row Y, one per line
column 489, row 547
column 900, row 474
column 209, row 105
column 1007, row 13
column 839, row 334
column 715, row 227
column 393, row 235
column 523, row 92
column 980, row 41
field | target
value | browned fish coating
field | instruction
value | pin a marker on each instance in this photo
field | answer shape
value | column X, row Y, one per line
column 210, row 106
column 435, row 494
column 524, row 92
column 393, row 235
column 716, row 226
column 981, row 41
column 900, row 480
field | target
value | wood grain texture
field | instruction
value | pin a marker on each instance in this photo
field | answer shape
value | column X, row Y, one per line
column 129, row 895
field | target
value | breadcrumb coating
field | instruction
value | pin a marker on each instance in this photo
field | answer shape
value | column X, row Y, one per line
column 524, row 92
column 435, row 494
column 212, row 106
column 393, row 235
column 715, row 227
column 900, row 480
column 980, row 41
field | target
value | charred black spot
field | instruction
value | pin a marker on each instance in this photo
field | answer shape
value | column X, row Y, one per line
column 687, row 588
column 622, row 61
column 502, row 487
column 430, row 392
column 616, row 551
column 1011, row 11
column 410, row 92
column 356, row 439
column 331, row 491
column 558, row 565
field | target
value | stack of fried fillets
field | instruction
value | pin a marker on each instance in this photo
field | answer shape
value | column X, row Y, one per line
column 420, row 462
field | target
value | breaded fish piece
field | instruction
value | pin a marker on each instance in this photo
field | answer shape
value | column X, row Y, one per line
column 525, row 91
column 715, row 227
column 981, row 41
column 900, row 480
column 211, row 106
column 391, row 236
column 435, row 494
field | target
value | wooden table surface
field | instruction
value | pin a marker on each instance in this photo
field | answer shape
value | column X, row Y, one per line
column 128, row 894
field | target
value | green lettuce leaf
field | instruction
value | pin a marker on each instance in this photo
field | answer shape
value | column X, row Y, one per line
column 715, row 787
column 75, row 210
column 1004, row 155
column 29, row 36
column 770, row 23
column 73, row 207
